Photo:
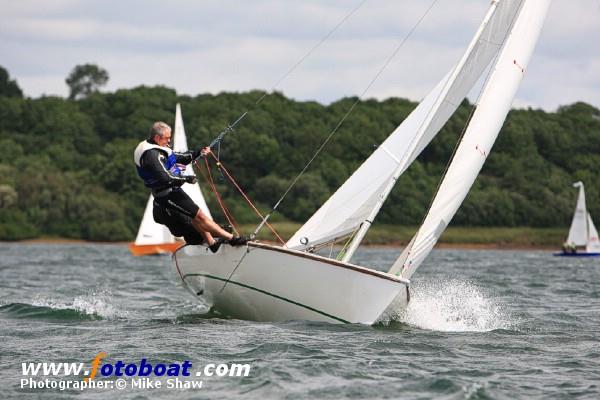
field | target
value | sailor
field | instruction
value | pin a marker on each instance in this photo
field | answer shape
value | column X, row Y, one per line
column 161, row 170
column 569, row 248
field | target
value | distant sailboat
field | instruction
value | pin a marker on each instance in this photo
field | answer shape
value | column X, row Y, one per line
column 269, row 283
column 152, row 237
column 583, row 236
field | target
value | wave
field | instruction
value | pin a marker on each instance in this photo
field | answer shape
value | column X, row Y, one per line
column 94, row 306
column 450, row 305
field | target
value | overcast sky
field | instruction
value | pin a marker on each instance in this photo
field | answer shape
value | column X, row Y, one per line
column 212, row 46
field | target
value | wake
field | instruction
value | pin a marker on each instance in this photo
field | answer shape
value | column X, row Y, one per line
column 451, row 306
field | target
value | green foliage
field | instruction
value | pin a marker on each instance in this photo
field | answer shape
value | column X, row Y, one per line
column 85, row 79
column 8, row 87
column 68, row 169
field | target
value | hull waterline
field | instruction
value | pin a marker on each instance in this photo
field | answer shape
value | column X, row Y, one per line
column 576, row 254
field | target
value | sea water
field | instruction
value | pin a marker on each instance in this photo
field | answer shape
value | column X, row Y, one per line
column 481, row 324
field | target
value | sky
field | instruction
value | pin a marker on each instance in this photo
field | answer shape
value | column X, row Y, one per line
column 197, row 46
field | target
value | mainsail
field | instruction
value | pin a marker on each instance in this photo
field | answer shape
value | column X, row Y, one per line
column 356, row 203
column 480, row 135
column 578, row 232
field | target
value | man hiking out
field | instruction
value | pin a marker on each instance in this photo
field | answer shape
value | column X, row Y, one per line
column 160, row 168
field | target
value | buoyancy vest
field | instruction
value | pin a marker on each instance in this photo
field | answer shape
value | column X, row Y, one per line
column 149, row 177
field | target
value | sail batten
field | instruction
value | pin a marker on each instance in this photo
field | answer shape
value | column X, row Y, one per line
column 353, row 203
column 481, row 133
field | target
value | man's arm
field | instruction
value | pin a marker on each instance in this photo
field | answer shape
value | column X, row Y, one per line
column 189, row 156
column 153, row 161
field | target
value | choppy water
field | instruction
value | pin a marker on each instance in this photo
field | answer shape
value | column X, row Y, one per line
column 481, row 324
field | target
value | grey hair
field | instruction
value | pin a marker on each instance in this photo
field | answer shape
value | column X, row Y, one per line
column 159, row 128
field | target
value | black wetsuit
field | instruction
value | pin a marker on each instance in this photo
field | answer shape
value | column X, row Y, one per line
column 172, row 206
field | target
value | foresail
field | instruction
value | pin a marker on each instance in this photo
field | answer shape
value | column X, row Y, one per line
column 151, row 232
column 350, row 205
column 358, row 200
column 578, row 232
column 593, row 244
column 475, row 146
column 180, row 146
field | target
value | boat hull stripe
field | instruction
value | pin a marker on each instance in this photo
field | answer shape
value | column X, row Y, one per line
column 269, row 294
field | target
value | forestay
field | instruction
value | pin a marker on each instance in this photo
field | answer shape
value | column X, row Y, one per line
column 358, row 200
column 492, row 108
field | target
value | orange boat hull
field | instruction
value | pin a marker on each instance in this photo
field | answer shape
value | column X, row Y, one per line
column 151, row 249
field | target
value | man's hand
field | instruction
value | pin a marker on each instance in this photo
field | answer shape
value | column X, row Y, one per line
column 205, row 151
column 191, row 179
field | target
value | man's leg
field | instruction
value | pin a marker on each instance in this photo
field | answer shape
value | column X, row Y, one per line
column 208, row 227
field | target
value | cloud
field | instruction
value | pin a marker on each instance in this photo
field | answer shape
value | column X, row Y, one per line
column 207, row 46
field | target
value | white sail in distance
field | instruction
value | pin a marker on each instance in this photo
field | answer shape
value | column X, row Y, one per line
column 359, row 199
column 578, row 232
column 151, row 232
column 593, row 244
column 480, row 135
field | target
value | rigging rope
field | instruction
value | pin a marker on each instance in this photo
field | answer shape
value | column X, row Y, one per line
column 228, row 215
column 224, row 208
column 339, row 124
column 229, row 128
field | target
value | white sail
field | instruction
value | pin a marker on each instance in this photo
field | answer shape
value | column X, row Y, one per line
column 180, row 146
column 578, row 232
column 593, row 244
column 359, row 199
column 492, row 108
column 151, row 232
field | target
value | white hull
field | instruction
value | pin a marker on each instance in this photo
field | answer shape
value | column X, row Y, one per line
column 267, row 283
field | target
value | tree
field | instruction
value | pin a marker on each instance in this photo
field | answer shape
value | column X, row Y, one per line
column 85, row 79
column 8, row 87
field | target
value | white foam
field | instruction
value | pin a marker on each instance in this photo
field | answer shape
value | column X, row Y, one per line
column 451, row 305
column 95, row 303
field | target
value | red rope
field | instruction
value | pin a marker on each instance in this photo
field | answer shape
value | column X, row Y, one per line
column 219, row 165
column 226, row 211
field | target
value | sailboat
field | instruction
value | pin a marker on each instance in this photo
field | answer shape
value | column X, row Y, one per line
column 264, row 282
column 152, row 237
column 583, row 237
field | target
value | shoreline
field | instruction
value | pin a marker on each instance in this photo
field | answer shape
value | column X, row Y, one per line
column 443, row 245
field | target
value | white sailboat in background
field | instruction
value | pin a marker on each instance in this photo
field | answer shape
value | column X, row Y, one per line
column 152, row 237
column 264, row 282
column 583, row 237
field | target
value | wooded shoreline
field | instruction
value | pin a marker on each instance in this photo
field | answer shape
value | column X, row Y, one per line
column 520, row 238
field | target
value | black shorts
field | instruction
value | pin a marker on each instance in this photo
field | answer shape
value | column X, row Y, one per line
column 179, row 202
column 177, row 214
